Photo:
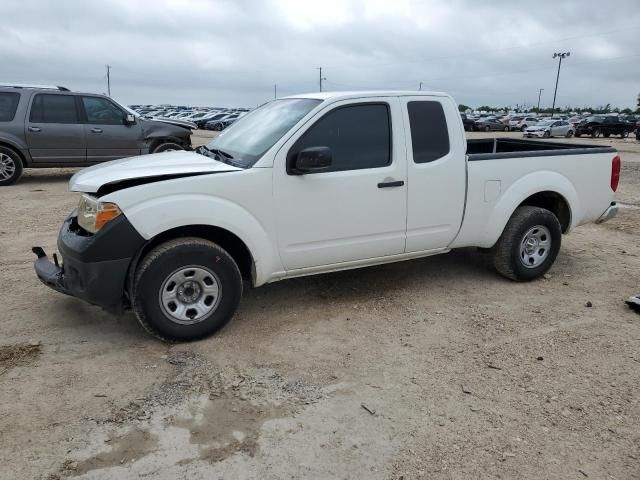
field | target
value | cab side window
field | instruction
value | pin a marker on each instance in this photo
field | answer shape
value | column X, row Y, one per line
column 429, row 132
column 359, row 137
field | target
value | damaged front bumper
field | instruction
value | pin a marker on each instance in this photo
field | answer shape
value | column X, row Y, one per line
column 94, row 267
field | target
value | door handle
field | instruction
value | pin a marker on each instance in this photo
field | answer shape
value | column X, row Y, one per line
column 96, row 130
column 34, row 129
column 392, row 183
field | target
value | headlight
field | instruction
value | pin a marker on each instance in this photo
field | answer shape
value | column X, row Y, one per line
column 94, row 214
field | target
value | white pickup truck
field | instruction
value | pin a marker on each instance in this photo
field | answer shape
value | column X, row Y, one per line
column 312, row 184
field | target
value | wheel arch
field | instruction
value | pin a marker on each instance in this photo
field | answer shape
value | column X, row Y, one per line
column 545, row 189
column 226, row 239
column 4, row 143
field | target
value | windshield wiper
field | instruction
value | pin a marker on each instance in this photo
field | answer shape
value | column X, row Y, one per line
column 222, row 153
column 216, row 154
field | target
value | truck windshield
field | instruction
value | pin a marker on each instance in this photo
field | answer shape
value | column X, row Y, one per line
column 251, row 136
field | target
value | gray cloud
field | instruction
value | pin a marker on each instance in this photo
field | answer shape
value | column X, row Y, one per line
column 232, row 52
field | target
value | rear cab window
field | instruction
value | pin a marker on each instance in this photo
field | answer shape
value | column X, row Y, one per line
column 53, row 108
column 8, row 105
column 429, row 132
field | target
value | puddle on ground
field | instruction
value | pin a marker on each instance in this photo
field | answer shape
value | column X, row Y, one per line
column 128, row 447
column 224, row 426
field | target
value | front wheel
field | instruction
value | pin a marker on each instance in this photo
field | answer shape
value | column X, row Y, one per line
column 506, row 129
column 167, row 147
column 528, row 245
column 595, row 133
column 570, row 134
column 186, row 289
column 486, row 129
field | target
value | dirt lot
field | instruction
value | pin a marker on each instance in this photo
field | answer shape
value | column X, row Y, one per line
column 435, row 368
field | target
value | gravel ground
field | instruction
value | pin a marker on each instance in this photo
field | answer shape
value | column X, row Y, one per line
column 435, row 368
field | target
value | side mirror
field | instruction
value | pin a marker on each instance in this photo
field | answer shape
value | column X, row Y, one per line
column 130, row 119
column 312, row 160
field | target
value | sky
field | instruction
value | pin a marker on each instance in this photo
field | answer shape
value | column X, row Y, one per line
column 232, row 53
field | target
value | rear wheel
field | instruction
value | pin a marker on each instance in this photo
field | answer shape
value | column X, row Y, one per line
column 486, row 129
column 506, row 129
column 528, row 245
column 523, row 128
column 595, row 133
column 569, row 134
column 10, row 166
column 186, row 289
column 606, row 135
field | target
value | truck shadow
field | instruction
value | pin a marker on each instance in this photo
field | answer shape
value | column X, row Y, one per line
column 306, row 300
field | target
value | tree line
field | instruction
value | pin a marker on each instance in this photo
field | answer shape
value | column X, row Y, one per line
column 602, row 109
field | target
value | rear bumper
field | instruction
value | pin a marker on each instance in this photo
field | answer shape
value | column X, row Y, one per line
column 609, row 213
column 94, row 267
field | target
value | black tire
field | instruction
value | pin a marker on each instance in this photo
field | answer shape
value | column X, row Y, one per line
column 167, row 147
column 547, row 134
column 507, row 251
column 606, row 135
column 523, row 128
column 486, row 129
column 10, row 166
column 578, row 135
column 158, row 266
column 506, row 129
column 569, row 134
column 595, row 133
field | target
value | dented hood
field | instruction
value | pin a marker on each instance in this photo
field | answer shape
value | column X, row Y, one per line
column 111, row 176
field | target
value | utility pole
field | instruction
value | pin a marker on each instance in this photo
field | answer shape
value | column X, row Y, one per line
column 108, row 80
column 560, row 56
column 420, row 87
column 320, row 77
column 540, row 90
column 275, row 91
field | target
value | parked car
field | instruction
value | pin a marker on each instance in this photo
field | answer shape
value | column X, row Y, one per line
column 490, row 124
column 201, row 123
column 287, row 192
column 467, row 122
column 605, row 126
column 224, row 122
column 54, row 127
column 521, row 123
column 550, row 128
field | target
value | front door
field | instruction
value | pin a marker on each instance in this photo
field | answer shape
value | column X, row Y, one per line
column 354, row 210
column 108, row 135
column 53, row 131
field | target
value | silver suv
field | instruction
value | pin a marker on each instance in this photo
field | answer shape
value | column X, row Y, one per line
column 54, row 127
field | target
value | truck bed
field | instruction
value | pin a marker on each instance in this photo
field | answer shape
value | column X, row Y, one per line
column 496, row 148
